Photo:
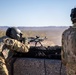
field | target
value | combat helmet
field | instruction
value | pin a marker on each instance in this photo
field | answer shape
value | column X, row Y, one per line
column 14, row 33
column 73, row 15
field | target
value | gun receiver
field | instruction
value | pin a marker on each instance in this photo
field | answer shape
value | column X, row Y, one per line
column 37, row 40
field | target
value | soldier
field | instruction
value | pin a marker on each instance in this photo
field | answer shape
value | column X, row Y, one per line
column 13, row 42
column 68, row 52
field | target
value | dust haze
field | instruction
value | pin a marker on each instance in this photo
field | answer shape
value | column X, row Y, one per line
column 53, row 34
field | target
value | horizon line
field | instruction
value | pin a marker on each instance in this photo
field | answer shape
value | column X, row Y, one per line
column 34, row 26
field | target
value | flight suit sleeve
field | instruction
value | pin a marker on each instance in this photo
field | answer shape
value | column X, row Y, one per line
column 15, row 45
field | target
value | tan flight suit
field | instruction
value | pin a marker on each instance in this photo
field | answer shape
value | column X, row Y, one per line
column 68, row 52
column 13, row 45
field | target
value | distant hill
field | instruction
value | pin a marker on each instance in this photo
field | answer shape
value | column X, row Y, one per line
column 53, row 33
column 37, row 28
column 3, row 27
column 41, row 28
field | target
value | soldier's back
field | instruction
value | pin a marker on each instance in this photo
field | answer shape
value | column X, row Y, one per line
column 69, row 47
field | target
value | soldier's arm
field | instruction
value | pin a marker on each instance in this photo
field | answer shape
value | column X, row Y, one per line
column 16, row 45
column 63, row 58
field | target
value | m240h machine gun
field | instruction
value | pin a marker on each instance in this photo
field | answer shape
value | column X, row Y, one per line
column 36, row 40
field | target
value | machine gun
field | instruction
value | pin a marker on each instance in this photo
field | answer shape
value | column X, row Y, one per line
column 36, row 39
column 53, row 52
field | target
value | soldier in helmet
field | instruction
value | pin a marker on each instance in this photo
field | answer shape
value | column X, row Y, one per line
column 13, row 42
column 68, row 52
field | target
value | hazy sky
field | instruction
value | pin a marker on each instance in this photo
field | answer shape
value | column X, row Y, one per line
column 36, row 12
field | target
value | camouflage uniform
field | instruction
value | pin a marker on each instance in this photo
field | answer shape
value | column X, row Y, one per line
column 13, row 45
column 3, row 68
column 68, row 52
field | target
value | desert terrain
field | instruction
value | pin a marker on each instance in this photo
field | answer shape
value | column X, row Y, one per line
column 53, row 34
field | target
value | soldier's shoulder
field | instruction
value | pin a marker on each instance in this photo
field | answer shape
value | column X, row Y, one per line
column 67, row 30
column 1, row 42
column 2, row 38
